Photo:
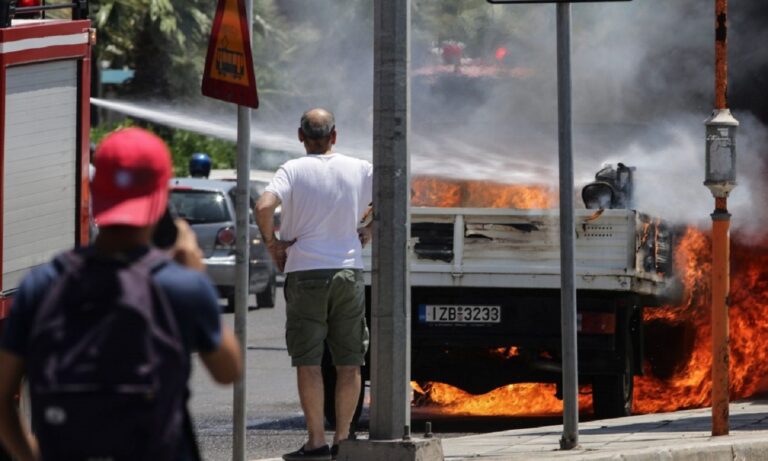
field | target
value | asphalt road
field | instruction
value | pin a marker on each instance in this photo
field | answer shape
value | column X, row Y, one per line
column 275, row 421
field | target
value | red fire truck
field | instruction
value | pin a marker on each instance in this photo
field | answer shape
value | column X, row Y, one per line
column 45, row 74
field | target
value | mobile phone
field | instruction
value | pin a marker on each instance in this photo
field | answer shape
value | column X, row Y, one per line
column 165, row 231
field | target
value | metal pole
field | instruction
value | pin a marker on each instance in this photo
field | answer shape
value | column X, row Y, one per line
column 721, row 54
column 721, row 220
column 570, row 438
column 242, row 258
column 390, row 287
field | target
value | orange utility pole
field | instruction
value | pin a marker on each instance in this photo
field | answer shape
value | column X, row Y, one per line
column 721, row 179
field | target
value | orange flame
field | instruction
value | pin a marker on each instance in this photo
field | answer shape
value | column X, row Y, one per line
column 452, row 193
column 691, row 385
column 684, row 384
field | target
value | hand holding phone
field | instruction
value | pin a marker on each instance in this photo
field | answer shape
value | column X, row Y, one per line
column 165, row 231
column 185, row 250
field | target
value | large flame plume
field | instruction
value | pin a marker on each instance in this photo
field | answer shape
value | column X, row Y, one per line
column 442, row 192
column 678, row 377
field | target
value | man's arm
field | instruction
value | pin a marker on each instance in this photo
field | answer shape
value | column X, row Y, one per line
column 265, row 215
column 13, row 433
column 225, row 364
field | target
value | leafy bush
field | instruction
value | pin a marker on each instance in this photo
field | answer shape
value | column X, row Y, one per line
column 181, row 143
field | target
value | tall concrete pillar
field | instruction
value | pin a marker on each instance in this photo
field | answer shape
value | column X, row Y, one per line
column 391, row 306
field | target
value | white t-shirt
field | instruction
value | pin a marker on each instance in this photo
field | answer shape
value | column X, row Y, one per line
column 323, row 198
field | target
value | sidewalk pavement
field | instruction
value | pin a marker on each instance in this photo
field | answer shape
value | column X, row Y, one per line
column 682, row 435
column 678, row 436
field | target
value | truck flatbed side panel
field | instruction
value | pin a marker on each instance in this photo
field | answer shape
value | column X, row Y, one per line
column 521, row 249
column 531, row 281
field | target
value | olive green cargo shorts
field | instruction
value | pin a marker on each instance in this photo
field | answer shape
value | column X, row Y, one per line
column 326, row 305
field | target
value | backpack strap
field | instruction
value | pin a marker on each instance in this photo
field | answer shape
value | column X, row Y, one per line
column 68, row 266
column 70, row 262
column 150, row 263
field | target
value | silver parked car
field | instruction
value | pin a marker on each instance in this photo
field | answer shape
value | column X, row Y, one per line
column 208, row 206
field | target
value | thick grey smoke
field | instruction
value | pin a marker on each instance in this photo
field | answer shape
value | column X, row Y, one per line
column 642, row 87
column 650, row 64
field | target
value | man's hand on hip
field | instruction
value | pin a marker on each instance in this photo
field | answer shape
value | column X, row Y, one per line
column 277, row 248
column 364, row 234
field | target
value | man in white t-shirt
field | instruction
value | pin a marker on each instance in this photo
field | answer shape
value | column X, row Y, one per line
column 324, row 196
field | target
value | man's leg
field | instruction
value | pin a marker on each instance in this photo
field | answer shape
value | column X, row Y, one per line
column 310, row 380
column 347, row 394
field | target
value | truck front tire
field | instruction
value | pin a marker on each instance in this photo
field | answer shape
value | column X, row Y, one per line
column 267, row 296
column 612, row 394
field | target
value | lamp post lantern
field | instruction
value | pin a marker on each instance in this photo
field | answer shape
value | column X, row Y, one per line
column 720, row 175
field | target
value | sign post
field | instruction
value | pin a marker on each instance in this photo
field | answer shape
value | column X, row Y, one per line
column 570, row 436
column 229, row 76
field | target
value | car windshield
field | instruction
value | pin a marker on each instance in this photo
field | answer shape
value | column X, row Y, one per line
column 199, row 206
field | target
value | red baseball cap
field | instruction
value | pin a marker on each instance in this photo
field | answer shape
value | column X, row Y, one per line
column 130, row 187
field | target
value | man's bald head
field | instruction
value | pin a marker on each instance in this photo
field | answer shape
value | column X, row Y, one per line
column 317, row 130
column 317, row 123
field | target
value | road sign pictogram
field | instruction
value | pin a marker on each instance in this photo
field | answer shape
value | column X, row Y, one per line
column 229, row 73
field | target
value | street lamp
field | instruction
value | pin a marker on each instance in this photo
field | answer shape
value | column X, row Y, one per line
column 720, row 178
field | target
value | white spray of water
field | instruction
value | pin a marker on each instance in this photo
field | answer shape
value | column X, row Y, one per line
column 434, row 159
column 174, row 117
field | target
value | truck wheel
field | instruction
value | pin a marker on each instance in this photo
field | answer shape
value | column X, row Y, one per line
column 266, row 298
column 612, row 394
column 329, row 390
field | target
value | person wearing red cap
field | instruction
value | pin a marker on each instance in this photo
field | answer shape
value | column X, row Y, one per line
column 130, row 195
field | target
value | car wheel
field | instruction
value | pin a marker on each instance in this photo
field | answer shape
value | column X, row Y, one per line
column 230, row 304
column 266, row 298
column 612, row 394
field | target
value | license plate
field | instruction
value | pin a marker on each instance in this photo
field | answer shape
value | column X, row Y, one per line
column 451, row 313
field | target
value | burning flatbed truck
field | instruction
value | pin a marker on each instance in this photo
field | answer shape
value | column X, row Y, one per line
column 485, row 292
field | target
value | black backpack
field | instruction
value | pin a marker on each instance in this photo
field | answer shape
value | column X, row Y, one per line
column 106, row 363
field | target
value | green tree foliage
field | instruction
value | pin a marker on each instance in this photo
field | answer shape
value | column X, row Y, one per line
column 161, row 39
column 165, row 41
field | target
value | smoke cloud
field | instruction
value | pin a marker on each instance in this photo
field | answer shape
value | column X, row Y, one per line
column 643, row 83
